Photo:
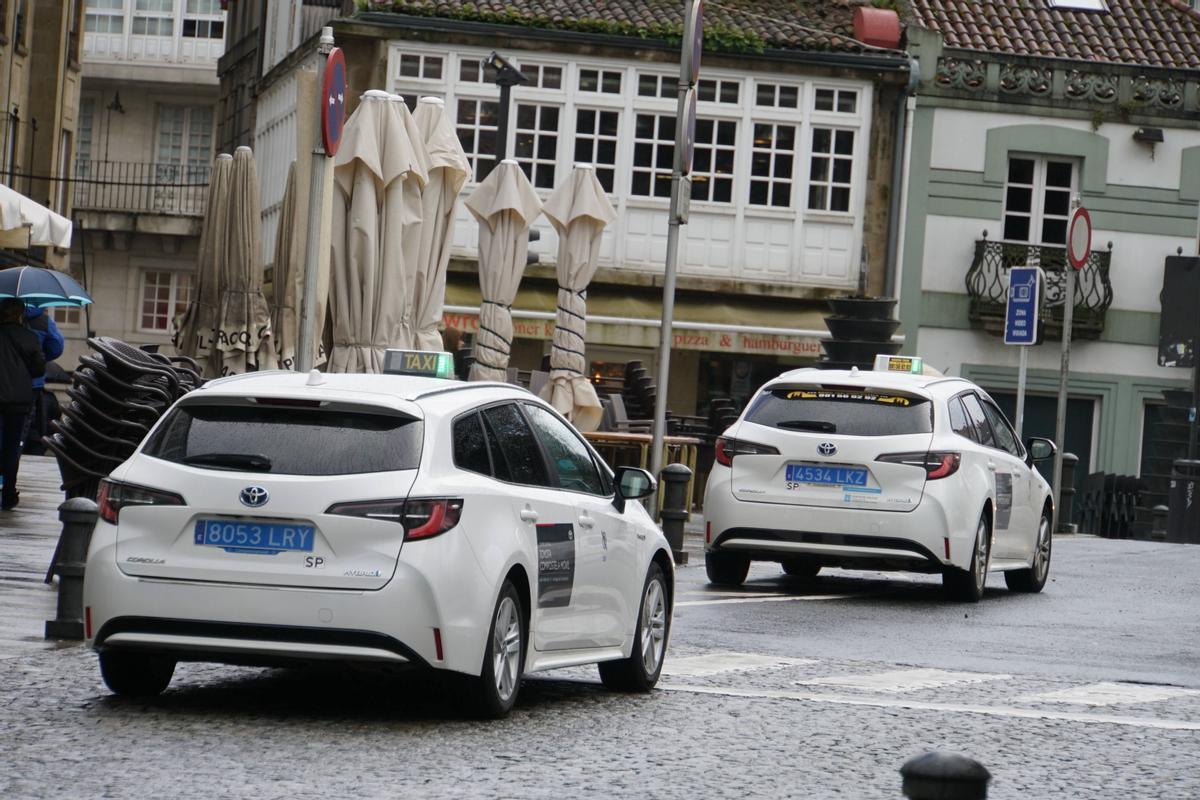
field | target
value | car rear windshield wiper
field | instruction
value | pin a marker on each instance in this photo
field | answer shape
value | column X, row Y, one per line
column 251, row 461
column 808, row 425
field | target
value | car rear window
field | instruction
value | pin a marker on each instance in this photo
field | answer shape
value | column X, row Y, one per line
column 294, row 441
column 846, row 411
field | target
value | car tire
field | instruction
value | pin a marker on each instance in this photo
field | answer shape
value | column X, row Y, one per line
column 495, row 691
column 726, row 569
column 640, row 670
column 136, row 674
column 1033, row 579
column 801, row 567
column 967, row 585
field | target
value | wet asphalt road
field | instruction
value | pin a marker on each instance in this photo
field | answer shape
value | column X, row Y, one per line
column 807, row 689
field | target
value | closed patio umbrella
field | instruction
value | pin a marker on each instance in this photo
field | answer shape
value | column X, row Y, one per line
column 505, row 205
column 579, row 210
column 194, row 329
column 401, row 220
column 243, row 336
column 448, row 171
column 372, row 212
column 285, row 319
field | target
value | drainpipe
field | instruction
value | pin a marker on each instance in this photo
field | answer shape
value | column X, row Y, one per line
column 898, row 188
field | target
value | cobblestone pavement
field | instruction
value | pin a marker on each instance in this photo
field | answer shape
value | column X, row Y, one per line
column 758, row 700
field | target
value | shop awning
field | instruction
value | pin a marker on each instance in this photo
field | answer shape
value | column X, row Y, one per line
column 725, row 325
column 24, row 223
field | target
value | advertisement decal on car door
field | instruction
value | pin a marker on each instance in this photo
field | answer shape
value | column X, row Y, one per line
column 556, row 564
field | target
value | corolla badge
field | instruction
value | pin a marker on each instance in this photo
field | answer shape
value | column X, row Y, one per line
column 254, row 496
column 827, row 448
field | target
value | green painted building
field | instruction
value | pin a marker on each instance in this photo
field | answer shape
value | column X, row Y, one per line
column 1022, row 106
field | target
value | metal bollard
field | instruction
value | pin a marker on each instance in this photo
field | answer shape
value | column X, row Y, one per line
column 1069, row 462
column 944, row 776
column 674, row 480
column 1158, row 531
column 78, row 517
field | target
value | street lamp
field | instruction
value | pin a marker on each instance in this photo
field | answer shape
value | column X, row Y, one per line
column 507, row 76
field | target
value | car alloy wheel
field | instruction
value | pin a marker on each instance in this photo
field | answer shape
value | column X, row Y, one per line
column 1041, row 555
column 506, row 649
column 982, row 552
column 654, row 626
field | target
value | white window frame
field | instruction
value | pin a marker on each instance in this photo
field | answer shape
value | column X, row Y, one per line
column 629, row 104
column 207, row 19
column 1036, row 213
column 156, row 14
column 534, row 163
column 108, row 13
column 832, row 156
column 175, row 303
column 594, row 139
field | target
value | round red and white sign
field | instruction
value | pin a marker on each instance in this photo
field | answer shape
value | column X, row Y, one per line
column 1079, row 237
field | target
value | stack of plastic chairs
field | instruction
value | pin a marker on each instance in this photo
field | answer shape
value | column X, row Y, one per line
column 116, row 397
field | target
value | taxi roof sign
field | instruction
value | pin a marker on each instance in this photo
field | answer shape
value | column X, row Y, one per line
column 910, row 364
column 418, row 362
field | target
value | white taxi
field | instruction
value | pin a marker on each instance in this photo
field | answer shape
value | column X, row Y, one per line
column 280, row 518
column 881, row 470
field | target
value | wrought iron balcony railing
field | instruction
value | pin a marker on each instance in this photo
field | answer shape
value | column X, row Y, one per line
column 987, row 286
column 140, row 188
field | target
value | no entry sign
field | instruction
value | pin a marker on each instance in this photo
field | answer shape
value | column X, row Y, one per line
column 333, row 101
column 1079, row 237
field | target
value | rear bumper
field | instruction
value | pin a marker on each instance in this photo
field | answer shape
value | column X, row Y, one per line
column 913, row 540
column 253, row 624
column 192, row 640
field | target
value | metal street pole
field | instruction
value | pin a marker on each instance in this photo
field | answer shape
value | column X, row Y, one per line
column 689, row 64
column 1021, row 372
column 306, row 346
column 1060, row 423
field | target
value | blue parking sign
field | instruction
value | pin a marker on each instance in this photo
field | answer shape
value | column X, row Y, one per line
column 1024, row 302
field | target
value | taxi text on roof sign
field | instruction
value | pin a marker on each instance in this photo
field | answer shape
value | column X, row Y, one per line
column 418, row 362
column 909, row 364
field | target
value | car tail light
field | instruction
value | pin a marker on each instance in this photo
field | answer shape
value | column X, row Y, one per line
column 728, row 448
column 936, row 465
column 114, row 495
column 385, row 510
column 422, row 518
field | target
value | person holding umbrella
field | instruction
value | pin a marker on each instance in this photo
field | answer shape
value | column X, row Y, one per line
column 21, row 360
column 43, row 327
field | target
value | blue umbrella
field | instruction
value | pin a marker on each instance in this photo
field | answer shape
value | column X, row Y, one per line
column 42, row 287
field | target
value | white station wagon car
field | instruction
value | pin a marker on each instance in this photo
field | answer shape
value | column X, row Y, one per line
column 281, row 518
column 879, row 470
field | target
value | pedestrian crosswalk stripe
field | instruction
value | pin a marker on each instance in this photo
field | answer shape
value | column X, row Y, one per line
column 1110, row 694
column 950, row 708
column 905, row 680
column 716, row 663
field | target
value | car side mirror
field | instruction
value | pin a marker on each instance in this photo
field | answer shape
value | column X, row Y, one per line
column 1040, row 449
column 633, row 483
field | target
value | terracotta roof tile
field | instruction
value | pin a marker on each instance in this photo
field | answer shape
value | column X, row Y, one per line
column 821, row 25
column 1162, row 33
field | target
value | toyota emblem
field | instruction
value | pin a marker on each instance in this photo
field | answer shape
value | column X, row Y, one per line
column 824, row 448
column 254, row 496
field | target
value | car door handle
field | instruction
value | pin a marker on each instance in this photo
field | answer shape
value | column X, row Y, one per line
column 992, row 465
column 528, row 514
column 586, row 522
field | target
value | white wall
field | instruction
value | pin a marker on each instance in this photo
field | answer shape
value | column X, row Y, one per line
column 959, row 142
column 948, row 349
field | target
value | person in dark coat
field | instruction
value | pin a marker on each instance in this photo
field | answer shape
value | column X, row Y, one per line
column 21, row 360
column 42, row 325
